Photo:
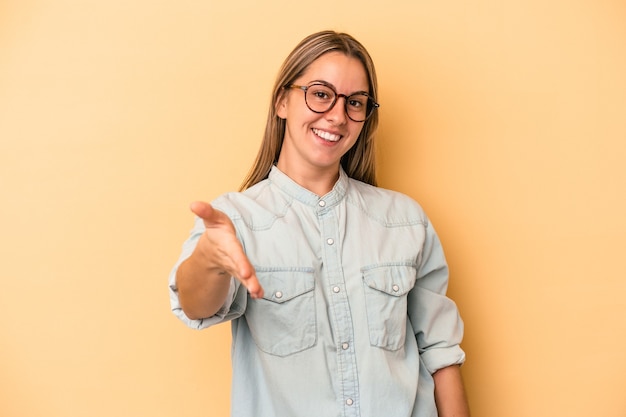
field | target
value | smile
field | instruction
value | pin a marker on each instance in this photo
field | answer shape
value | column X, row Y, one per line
column 326, row 135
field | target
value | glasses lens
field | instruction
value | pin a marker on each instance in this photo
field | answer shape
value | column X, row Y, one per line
column 359, row 106
column 320, row 98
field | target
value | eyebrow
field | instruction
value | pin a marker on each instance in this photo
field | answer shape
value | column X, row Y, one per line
column 326, row 83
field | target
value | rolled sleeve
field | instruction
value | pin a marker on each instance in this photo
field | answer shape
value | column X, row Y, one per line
column 435, row 318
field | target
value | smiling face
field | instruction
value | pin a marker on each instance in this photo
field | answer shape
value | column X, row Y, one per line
column 315, row 142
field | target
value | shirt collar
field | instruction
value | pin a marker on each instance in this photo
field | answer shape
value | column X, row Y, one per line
column 296, row 191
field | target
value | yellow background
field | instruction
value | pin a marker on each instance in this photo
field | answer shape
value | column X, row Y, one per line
column 505, row 119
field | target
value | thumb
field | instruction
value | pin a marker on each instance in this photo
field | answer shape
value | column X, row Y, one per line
column 206, row 212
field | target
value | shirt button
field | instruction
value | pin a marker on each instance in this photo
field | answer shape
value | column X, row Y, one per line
column 349, row 401
column 278, row 294
column 345, row 346
column 330, row 241
column 336, row 290
column 395, row 288
column 322, row 203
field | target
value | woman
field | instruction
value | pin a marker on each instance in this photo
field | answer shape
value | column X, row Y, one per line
column 335, row 288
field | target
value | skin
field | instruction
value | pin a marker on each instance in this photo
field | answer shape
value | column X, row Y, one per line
column 306, row 157
column 312, row 160
column 450, row 393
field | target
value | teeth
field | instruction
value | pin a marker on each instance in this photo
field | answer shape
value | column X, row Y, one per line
column 326, row 135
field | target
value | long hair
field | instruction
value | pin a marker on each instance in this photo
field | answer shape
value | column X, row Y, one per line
column 359, row 161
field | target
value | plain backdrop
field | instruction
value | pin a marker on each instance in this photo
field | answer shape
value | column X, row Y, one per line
column 505, row 119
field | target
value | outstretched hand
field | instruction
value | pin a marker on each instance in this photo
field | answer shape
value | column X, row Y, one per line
column 222, row 249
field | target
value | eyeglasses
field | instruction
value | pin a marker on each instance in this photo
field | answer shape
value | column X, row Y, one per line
column 320, row 98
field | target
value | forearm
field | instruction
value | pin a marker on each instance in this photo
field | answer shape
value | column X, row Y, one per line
column 450, row 393
column 201, row 290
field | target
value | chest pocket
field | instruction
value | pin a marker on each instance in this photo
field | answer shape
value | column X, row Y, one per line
column 283, row 322
column 386, row 289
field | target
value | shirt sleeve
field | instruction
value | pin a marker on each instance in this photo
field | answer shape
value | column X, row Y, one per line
column 435, row 318
column 234, row 305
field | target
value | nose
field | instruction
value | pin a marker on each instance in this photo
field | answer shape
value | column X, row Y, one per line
column 337, row 113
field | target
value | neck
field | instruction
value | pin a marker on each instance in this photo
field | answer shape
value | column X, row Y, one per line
column 318, row 181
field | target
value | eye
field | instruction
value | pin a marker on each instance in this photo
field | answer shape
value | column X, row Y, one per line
column 320, row 93
column 357, row 102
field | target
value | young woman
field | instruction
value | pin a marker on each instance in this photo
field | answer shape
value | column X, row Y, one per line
column 335, row 288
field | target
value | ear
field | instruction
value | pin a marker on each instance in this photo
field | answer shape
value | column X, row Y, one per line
column 281, row 105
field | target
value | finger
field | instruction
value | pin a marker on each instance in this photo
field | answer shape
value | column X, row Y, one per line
column 212, row 217
column 253, row 286
column 204, row 210
column 247, row 275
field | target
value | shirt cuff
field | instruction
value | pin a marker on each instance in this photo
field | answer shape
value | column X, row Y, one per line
column 439, row 358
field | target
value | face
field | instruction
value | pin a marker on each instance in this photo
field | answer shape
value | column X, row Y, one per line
column 314, row 143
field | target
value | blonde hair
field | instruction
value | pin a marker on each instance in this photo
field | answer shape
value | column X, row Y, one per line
column 359, row 161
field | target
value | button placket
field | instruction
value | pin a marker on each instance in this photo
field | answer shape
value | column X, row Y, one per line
column 338, row 300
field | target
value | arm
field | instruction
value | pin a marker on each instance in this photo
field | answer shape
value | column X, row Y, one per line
column 438, row 328
column 203, row 279
column 450, row 393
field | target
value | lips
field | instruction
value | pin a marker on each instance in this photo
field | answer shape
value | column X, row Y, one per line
column 331, row 137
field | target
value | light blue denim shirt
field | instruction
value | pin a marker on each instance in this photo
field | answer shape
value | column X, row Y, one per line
column 355, row 318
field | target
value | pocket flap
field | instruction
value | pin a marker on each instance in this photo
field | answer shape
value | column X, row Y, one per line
column 395, row 280
column 283, row 285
